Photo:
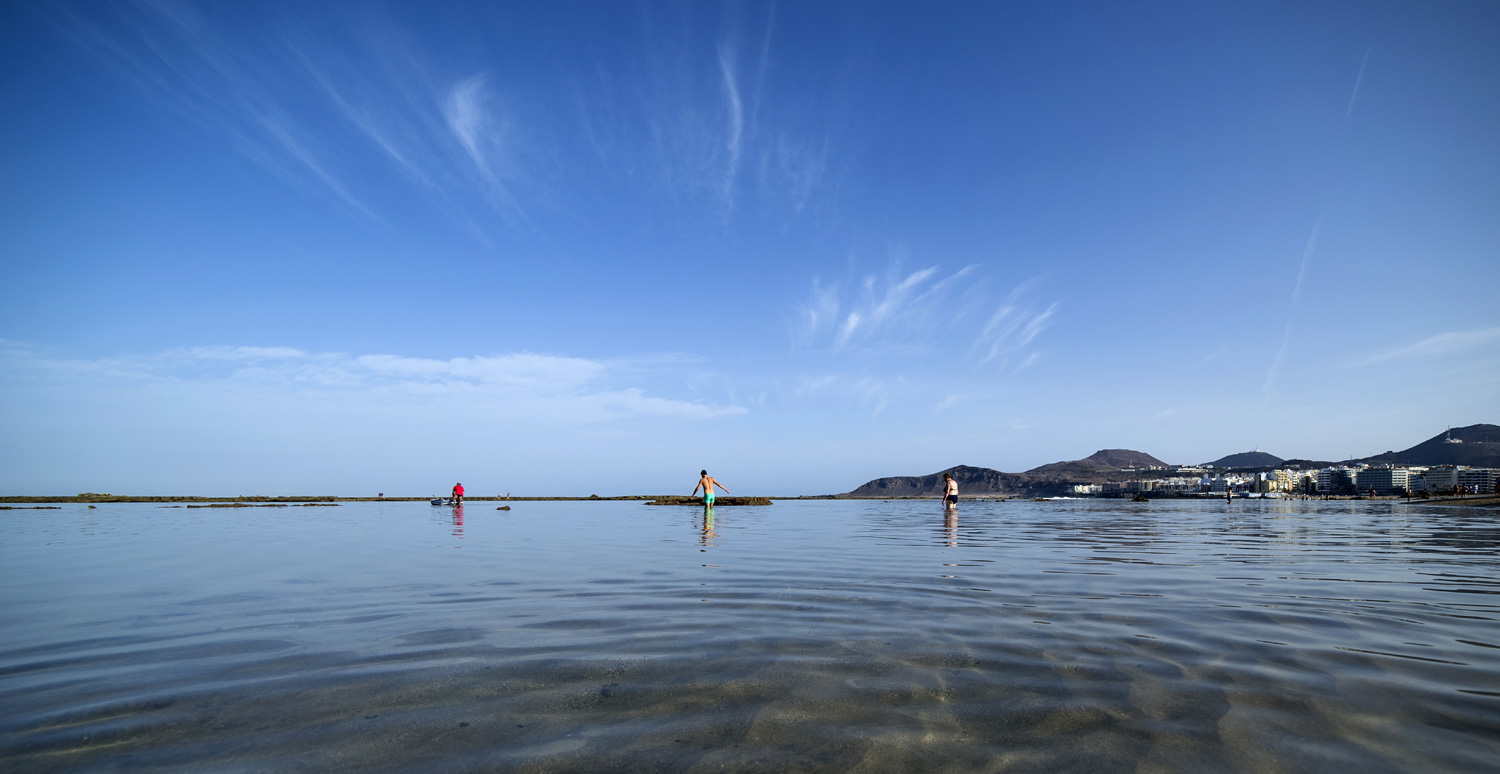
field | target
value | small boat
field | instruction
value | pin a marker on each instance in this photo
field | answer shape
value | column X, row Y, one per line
column 441, row 501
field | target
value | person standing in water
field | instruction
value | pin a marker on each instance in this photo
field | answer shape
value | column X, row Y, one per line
column 458, row 494
column 950, row 491
column 707, row 484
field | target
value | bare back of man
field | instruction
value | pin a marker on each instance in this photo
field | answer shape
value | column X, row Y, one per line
column 707, row 484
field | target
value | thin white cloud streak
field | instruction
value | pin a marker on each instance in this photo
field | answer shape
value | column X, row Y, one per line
column 1273, row 373
column 1013, row 328
column 763, row 65
column 1307, row 255
column 483, row 133
column 176, row 54
column 880, row 306
column 736, row 127
column 1013, row 325
column 1358, row 79
column 706, row 126
column 287, row 105
column 1449, row 344
column 921, row 310
column 465, row 112
column 445, row 137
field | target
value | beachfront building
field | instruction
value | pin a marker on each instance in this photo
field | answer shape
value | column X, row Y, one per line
column 1220, row 484
column 1177, row 485
column 1087, row 489
column 1339, row 480
column 1443, row 478
column 1476, row 480
column 1382, row 481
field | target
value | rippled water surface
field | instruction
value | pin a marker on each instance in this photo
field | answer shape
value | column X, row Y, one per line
column 817, row 635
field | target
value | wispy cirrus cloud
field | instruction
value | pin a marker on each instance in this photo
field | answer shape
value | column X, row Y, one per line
column 314, row 107
column 178, row 55
column 1465, row 344
column 1013, row 327
column 735, row 109
column 1358, row 79
column 1279, row 361
column 706, row 123
column 925, row 309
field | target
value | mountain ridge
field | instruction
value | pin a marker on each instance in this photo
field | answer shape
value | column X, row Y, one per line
column 1473, row 445
column 1046, row 479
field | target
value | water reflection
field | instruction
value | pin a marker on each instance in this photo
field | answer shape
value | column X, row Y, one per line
column 823, row 636
column 707, row 535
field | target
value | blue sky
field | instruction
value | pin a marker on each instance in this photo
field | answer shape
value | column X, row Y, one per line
column 574, row 248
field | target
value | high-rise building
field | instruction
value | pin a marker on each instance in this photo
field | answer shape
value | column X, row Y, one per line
column 1480, row 480
column 1335, row 480
column 1382, row 480
column 1441, row 478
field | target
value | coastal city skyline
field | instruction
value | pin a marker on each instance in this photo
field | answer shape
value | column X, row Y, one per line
column 580, row 248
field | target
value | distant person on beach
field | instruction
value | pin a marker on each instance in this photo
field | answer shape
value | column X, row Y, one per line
column 458, row 494
column 707, row 484
column 950, row 491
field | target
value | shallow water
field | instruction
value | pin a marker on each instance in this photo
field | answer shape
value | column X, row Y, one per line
column 803, row 636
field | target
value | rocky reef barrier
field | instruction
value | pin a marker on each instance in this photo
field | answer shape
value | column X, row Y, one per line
column 720, row 501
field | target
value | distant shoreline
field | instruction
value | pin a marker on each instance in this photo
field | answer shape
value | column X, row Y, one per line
column 97, row 499
column 1477, row 500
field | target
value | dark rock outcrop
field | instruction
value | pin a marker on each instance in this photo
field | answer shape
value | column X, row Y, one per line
column 722, row 501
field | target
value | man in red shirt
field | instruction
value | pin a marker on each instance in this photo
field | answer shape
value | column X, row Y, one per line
column 458, row 494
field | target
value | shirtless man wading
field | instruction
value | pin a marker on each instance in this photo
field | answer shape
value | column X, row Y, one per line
column 707, row 484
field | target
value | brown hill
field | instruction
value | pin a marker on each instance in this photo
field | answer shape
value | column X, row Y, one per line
column 1055, row 478
column 971, row 481
column 1104, row 460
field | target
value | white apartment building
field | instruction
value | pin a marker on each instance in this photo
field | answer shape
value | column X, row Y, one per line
column 1381, row 480
column 1334, row 480
column 1481, row 480
column 1440, row 479
column 1265, row 483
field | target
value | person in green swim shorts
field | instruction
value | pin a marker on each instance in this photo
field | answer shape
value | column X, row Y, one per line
column 707, row 484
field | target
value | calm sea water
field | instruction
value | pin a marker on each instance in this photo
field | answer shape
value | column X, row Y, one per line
column 803, row 636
